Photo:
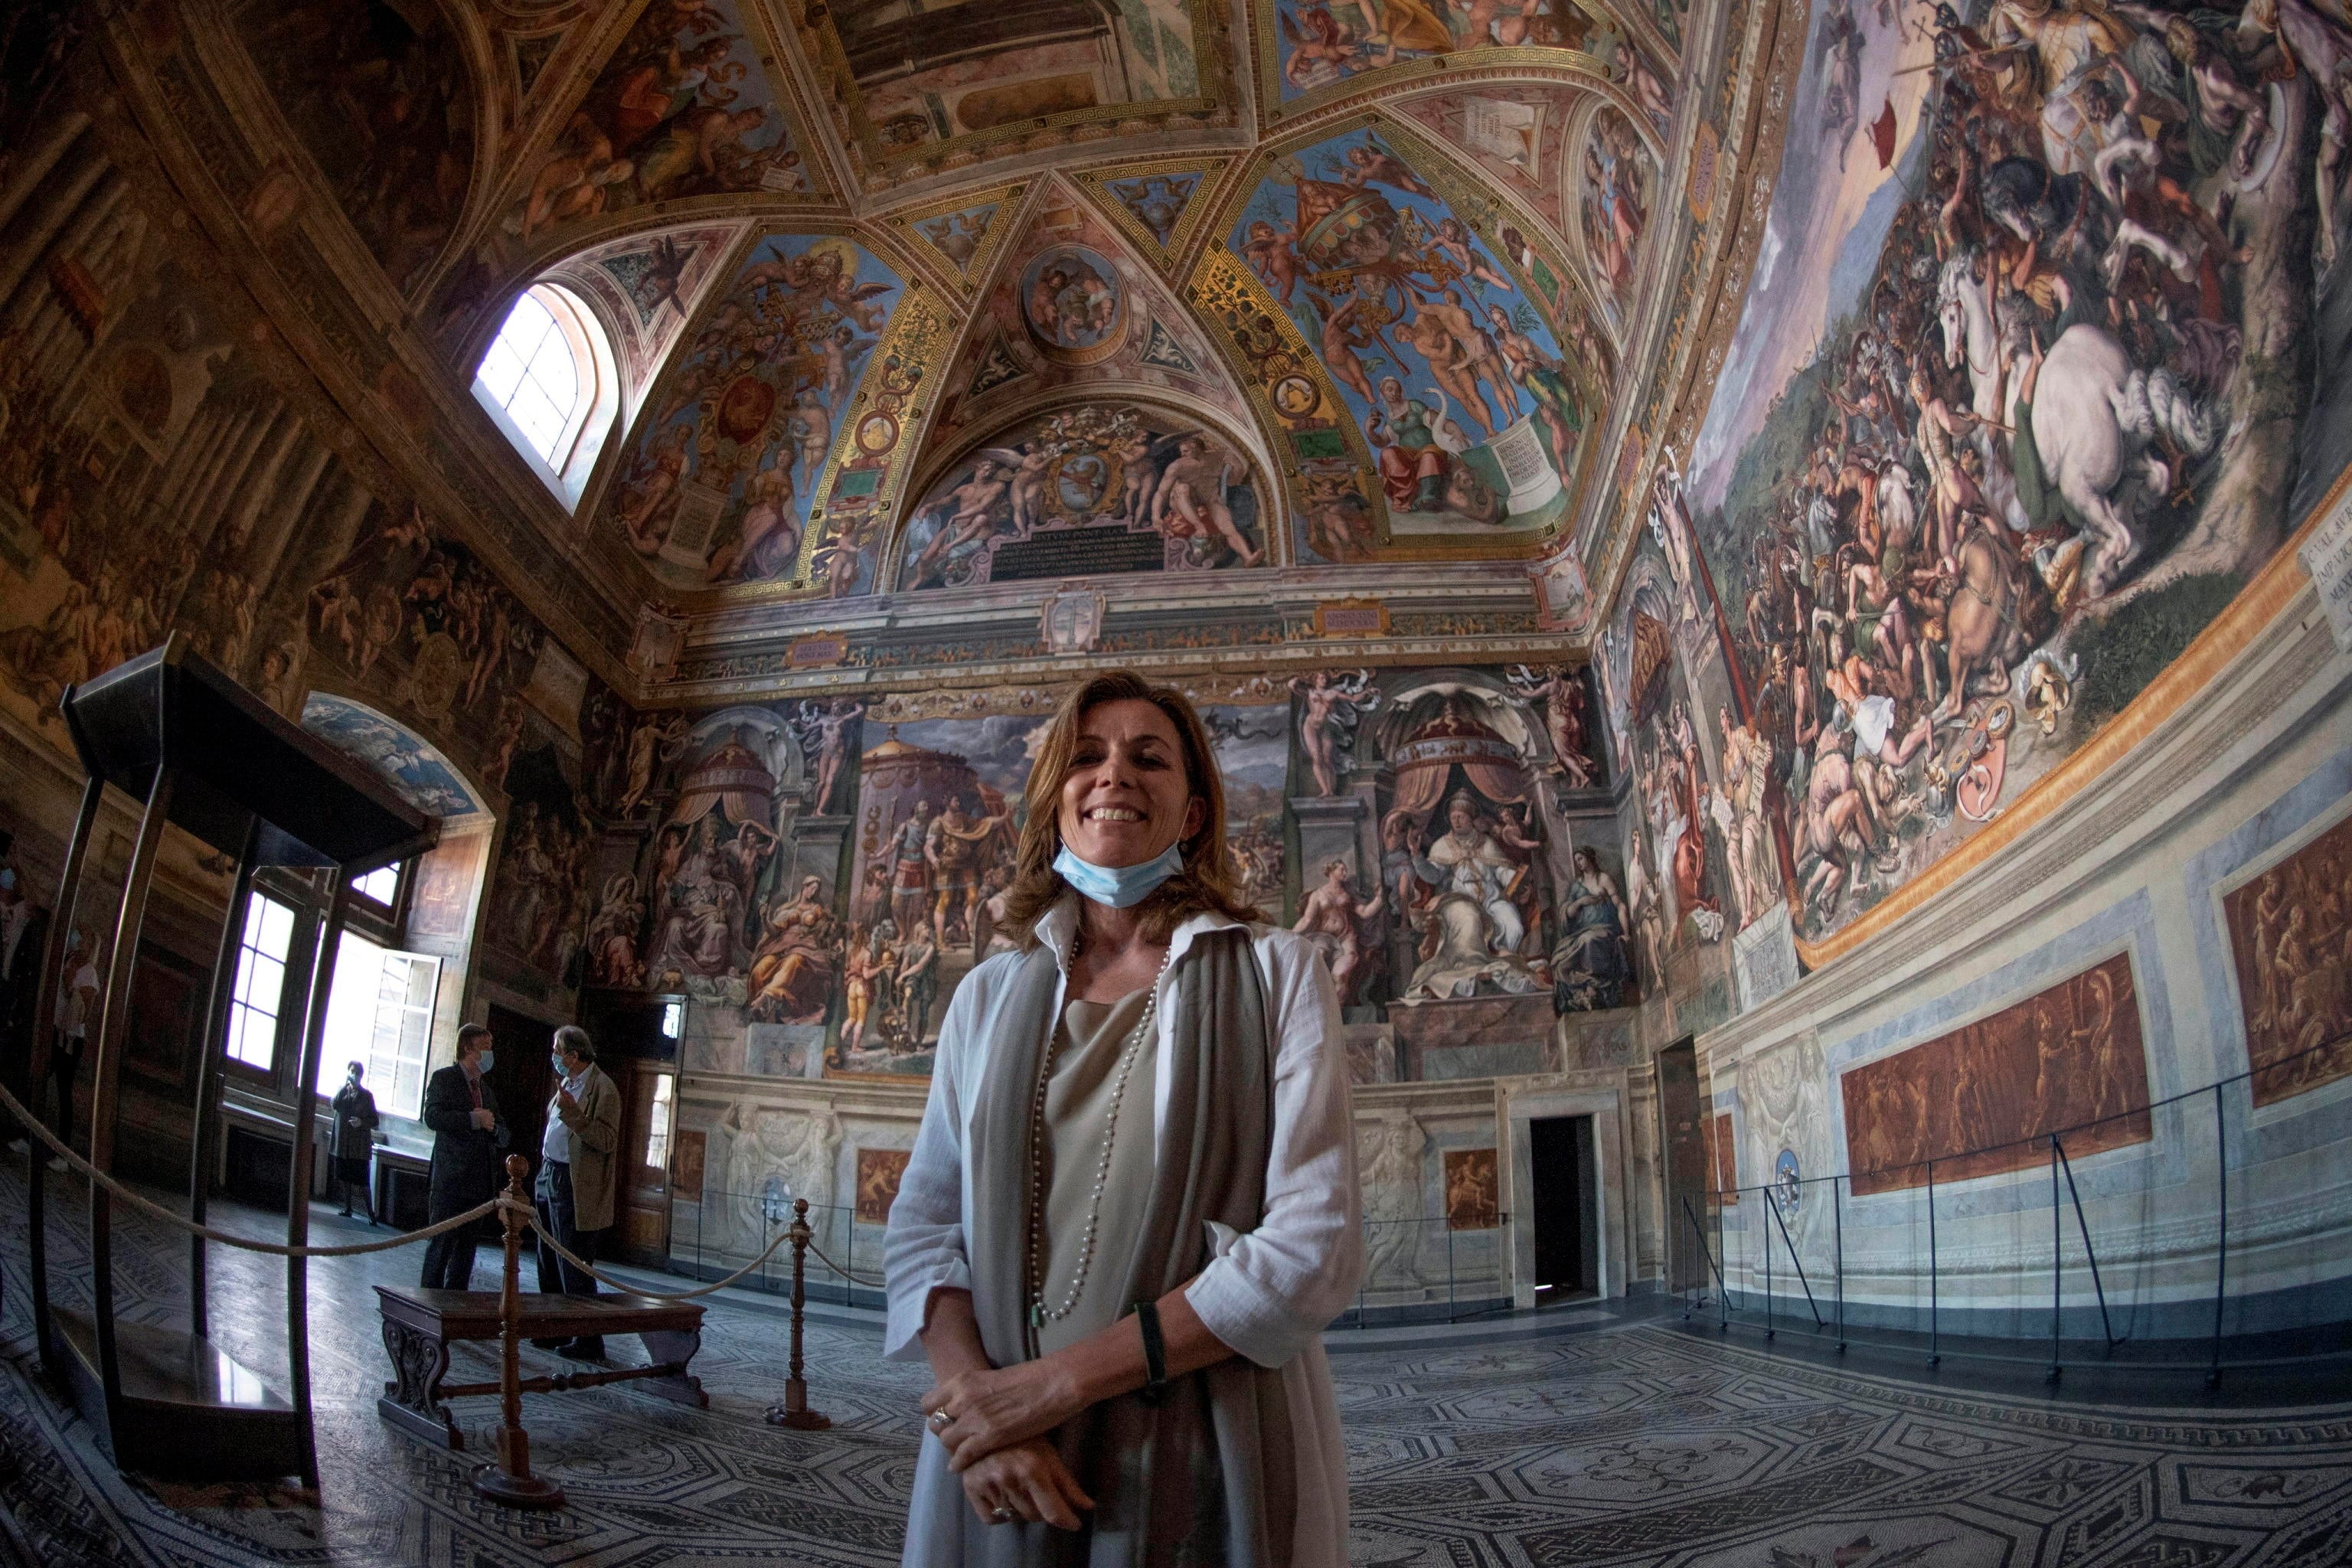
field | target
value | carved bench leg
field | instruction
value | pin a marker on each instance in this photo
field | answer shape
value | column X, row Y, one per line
column 675, row 1347
column 411, row 1399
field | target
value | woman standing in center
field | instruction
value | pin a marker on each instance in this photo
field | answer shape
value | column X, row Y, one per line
column 1133, row 1206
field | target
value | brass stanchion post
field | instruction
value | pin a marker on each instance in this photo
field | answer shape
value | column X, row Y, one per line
column 508, row 1478
column 794, row 1410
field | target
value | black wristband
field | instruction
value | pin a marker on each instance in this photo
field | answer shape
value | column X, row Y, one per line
column 1155, row 1354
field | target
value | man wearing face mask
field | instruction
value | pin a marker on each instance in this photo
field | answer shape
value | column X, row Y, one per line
column 575, row 1175
column 470, row 1138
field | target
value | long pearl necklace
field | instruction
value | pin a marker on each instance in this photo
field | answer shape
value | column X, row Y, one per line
column 1039, row 1179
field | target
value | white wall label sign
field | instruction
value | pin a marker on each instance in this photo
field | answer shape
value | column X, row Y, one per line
column 2327, row 556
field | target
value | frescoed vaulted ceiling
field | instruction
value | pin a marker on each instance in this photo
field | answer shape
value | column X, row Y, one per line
column 1388, row 280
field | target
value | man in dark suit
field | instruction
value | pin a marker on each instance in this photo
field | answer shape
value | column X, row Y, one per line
column 469, row 1139
column 24, row 936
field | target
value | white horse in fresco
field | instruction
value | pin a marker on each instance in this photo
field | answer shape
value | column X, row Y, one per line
column 2096, row 417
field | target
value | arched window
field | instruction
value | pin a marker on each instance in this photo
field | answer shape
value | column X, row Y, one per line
column 548, row 381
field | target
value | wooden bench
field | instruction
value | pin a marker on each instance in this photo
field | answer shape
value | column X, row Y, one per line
column 419, row 1326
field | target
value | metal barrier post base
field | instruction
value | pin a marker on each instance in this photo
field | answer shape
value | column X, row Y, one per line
column 508, row 1480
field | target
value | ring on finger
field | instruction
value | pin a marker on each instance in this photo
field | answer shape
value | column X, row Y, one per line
column 942, row 1418
column 1002, row 1514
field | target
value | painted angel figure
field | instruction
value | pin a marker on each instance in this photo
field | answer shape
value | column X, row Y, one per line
column 1562, row 691
column 1332, row 706
column 822, row 731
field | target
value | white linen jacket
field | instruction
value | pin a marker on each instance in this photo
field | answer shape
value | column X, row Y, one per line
column 1268, row 1293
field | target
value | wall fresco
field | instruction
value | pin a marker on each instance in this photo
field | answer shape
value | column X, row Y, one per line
column 2022, row 394
column 2290, row 936
column 381, row 96
column 1093, row 489
column 1980, row 1099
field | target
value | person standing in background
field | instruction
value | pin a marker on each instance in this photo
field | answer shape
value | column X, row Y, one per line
column 469, row 1136
column 23, row 935
column 77, row 1006
column 574, row 1193
column 353, row 1138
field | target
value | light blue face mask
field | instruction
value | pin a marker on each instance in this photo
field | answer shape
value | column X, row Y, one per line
column 1118, row 886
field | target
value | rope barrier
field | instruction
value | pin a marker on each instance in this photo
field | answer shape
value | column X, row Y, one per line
column 590, row 1269
column 153, row 1210
column 845, row 1274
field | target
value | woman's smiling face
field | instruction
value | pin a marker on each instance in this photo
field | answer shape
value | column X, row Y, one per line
column 1125, row 799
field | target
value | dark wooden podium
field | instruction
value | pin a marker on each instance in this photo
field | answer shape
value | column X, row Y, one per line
column 173, row 730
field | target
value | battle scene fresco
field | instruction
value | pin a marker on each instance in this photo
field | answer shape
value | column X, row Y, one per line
column 1453, row 376
column 2290, row 936
column 1097, row 488
column 729, row 452
column 1980, row 1100
column 2037, row 372
column 381, row 96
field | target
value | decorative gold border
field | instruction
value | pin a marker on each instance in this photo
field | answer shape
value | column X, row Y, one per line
column 1273, row 110
column 1095, row 183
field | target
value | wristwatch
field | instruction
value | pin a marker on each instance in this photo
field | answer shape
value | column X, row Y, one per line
column 1155, row 1354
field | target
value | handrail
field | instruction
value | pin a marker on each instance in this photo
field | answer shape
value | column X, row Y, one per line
column 1775, row 1194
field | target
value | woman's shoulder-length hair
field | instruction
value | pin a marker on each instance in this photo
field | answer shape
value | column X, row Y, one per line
column 1209, row 883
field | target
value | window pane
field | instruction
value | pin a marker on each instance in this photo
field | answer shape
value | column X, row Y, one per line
column 276, row 928
column 351, row 1011
column 532, row 373
column 379, row 884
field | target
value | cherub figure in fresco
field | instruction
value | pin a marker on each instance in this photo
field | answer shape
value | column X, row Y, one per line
column 1371, row 163
column 1451, row 241
column 1138, row 475
column 1194, row 488
column 1028, row 490
column 1562, row 691
column 1273, row 254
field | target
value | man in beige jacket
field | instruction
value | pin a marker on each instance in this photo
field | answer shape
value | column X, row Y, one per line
column 576, row 1176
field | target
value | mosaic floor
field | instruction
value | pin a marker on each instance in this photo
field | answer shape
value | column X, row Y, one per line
column 1596, row 1443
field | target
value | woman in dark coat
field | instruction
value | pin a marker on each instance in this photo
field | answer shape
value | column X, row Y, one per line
column 352, row 1139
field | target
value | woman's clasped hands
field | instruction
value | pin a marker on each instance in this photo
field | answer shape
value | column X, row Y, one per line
column 992, row 1424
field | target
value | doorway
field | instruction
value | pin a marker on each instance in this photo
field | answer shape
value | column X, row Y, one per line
column 636, row 1041
column 1680, row 1135
column 1567, row 1222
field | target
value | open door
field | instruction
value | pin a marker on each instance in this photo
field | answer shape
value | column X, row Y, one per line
column 648, row 1120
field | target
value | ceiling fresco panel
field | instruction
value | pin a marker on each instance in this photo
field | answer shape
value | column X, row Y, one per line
column 683, row 108
column 734, row 444
column 382, row 96
column 1453, row 376
column 913, row 81
column 1160, row 206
